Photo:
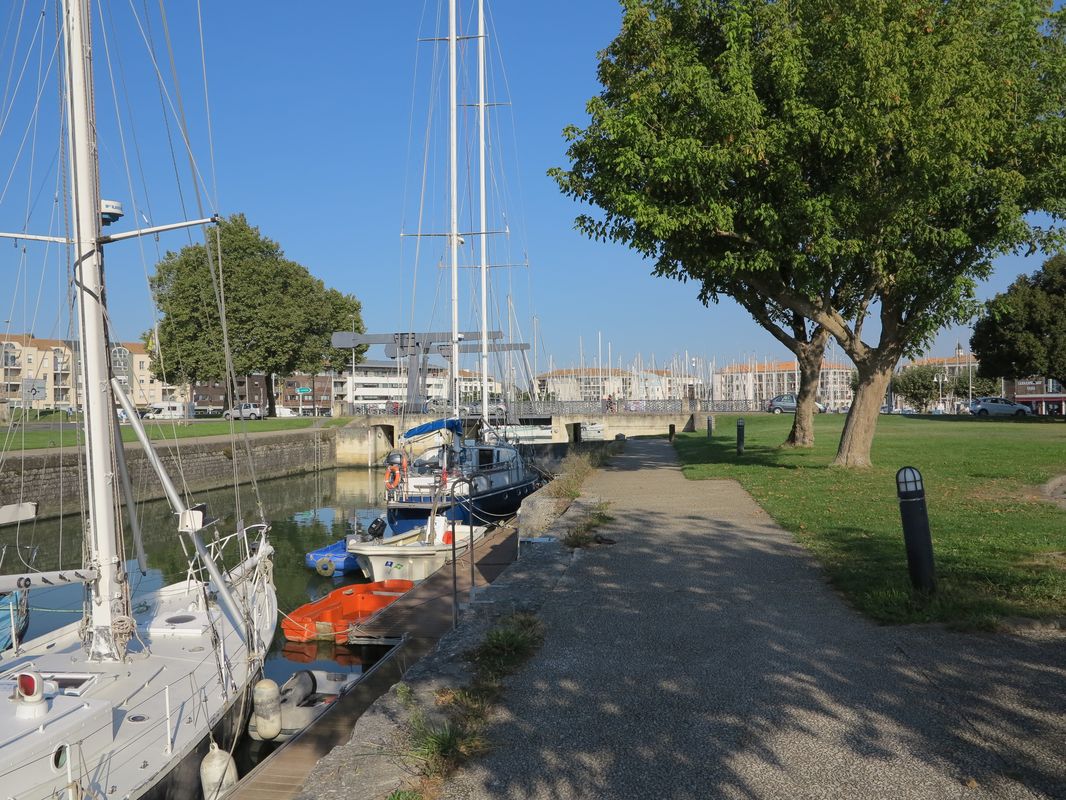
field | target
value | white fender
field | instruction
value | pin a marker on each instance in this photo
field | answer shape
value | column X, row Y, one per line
column 266, row 705
column 218, row 773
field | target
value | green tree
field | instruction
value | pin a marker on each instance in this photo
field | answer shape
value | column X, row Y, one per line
column 1022, row 332
column 921, row 385
column 279, row 317
column 843, row 161
column 970, row 384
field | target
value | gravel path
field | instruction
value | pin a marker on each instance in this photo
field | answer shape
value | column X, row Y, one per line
column 703, row 656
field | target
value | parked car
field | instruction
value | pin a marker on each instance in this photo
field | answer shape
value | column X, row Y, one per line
column 787, row 403
column 243, row 411
column 998, row 406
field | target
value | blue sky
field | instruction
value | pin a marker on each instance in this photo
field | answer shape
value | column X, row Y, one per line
column 314, row 140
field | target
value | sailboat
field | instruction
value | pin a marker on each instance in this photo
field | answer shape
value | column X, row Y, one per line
column 481, row 479
column 126, row 701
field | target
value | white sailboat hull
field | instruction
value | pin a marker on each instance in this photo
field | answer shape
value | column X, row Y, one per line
column 120, row 729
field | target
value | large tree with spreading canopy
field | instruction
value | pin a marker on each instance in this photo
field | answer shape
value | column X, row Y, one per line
column 279, row 317
column 1022, row 331
column 858, row 165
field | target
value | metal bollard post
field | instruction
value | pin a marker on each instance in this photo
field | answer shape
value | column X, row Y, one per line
column 740, row 436
column 671, row 431
column 710, row 426
column 916, row 536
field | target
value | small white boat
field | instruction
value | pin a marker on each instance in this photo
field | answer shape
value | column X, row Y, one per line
column 417, row 554
column 302, row 699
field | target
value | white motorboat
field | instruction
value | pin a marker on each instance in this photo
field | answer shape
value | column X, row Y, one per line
column 418, row 553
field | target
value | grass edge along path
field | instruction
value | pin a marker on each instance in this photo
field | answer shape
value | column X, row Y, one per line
column 440, row 741
column 999, row 545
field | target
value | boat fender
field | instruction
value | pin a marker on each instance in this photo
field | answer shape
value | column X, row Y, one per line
column 325, row 567
column 481, row 483
column 218, row 772
column 266, row 706
column 377, row 527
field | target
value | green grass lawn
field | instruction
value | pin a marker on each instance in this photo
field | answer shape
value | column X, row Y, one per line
column 69, row 434
column 1000, row 548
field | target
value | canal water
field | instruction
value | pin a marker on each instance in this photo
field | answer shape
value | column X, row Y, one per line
column 305, row 512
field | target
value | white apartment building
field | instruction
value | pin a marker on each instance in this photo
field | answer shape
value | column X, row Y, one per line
column 589, row 384
column 470, row 386
column 374, row 384
column 761, row 382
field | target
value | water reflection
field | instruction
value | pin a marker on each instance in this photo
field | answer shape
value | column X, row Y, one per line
column 305, row 512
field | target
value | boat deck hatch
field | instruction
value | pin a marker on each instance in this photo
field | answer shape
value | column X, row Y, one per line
column 178, row 624
column 70, row 683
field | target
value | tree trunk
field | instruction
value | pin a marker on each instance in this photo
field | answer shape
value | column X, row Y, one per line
column 268, row 379
column 858, row 435
column 809, row 358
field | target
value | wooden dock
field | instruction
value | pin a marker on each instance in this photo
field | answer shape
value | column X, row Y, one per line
column 417, row 621
column 427, row 610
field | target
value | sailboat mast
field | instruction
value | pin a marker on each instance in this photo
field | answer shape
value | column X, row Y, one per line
column 453, row 173
column 484, row 225
column 108, row 598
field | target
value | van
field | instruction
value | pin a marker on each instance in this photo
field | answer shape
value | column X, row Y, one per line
column 243, row 411
column 166, row 411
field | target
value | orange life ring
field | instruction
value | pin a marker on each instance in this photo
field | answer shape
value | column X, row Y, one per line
column 444, row 477
column 392, row 477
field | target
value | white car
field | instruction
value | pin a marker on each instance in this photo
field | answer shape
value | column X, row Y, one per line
column 1000, row 406
column 244, row 411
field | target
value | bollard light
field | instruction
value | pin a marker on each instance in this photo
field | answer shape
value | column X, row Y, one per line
column 740, row 436
column 909, row 484
column 710, row 426
column 916, row 536
column 672, row 429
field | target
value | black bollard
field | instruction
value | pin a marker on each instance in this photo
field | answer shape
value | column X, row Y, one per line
column 710, row 427
column 916, row 536
column 740, row 436
column 671, row 431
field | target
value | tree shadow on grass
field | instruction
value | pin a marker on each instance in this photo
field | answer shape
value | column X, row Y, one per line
column 696, row 452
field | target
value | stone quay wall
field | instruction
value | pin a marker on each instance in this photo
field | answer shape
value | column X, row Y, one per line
column 51, row 477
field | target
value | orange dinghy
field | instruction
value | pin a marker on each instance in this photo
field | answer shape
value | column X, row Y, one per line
column 329, row 617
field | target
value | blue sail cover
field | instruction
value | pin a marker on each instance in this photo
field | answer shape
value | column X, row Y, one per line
column 454, row 425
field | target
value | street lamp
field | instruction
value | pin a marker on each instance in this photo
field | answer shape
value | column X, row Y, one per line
column 351, row 378
column 958, row 367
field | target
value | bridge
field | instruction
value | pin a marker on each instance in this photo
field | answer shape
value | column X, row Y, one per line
column 367, row 440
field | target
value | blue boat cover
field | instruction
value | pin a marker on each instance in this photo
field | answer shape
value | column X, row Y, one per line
column 454, row 425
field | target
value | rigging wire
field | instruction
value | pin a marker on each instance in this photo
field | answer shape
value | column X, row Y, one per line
column 10, row 92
